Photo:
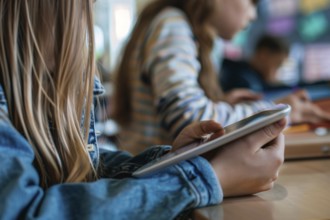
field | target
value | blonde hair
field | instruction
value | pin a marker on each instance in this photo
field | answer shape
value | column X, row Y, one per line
column 198, row 13
column 47, row 73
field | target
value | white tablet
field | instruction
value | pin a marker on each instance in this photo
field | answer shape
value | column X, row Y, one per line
column 232, row 132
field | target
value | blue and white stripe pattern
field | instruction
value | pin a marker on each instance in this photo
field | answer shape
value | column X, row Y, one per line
column 166, row 95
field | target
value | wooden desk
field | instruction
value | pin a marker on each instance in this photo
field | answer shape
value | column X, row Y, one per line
column 302, row 192
column 306, row 142
column 307, row 145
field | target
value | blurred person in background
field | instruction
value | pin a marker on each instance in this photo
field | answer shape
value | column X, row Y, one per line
column 166, row 78
column 259, row 72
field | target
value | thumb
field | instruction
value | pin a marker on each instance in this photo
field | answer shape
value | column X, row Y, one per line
column 263, row 136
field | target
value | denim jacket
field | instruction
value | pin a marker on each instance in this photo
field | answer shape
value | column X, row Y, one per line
column 116, row 195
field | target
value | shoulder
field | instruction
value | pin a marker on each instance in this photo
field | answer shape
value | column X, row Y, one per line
column 171, row 21
column 170, row 29
column 12, row 143
column 171, row 13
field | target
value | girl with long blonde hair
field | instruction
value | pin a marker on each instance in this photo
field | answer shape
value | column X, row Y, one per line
column 50, row 163
column 42, row 75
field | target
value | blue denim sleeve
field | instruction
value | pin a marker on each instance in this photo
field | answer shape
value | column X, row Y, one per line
column 189, row 184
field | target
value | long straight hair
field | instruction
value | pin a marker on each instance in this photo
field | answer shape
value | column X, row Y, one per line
column 197, row 12
column 47, row 70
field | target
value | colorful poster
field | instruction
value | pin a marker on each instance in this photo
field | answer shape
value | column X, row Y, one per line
column 280, row 8
column 310, row 6
column 313, row 26
column 316, row 65
column 300, row 22
column 281, row 26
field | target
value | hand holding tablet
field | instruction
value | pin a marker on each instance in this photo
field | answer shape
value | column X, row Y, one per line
column 232, row 132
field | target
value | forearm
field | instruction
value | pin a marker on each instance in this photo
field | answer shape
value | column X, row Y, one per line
column 185, row 104
column 189, row 184
column 162, row 196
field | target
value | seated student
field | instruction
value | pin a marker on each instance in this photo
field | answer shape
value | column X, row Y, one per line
column 258, row 73
column 50, row 164
column 166, row 79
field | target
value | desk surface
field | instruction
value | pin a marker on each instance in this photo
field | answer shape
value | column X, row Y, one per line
column 302, row 192
column 309, row 143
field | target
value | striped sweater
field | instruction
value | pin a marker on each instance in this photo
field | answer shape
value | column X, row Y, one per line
column 166, row 95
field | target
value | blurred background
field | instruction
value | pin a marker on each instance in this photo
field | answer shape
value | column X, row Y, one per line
column 304, row 24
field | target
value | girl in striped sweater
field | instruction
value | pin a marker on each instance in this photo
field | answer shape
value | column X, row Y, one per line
column 166, row 79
